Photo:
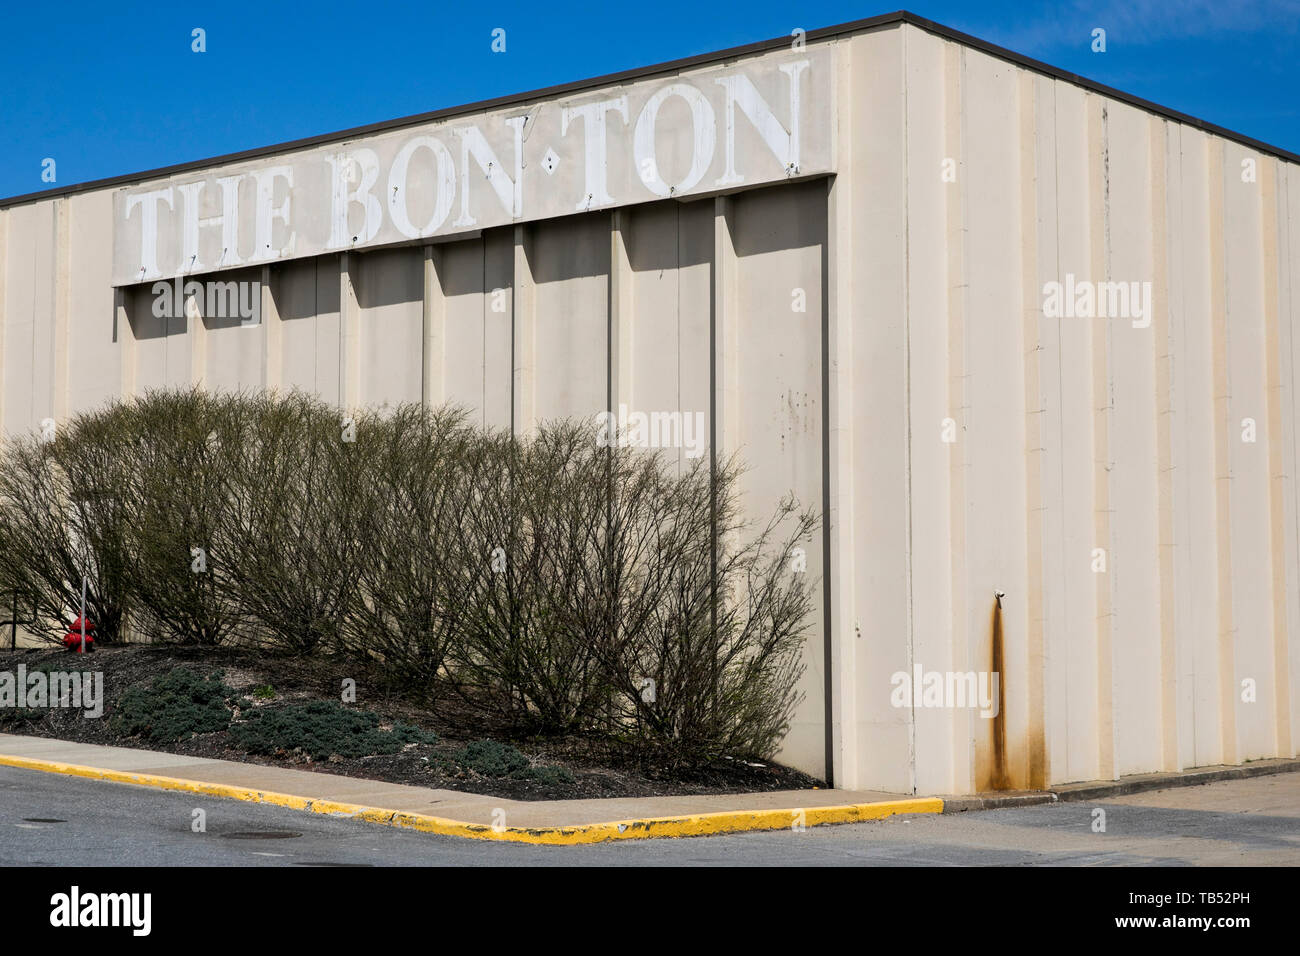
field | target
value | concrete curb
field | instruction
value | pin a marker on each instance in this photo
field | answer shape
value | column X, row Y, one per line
column 1187, row 778
column 702, row 824
column 962, row 804
column 1105, row 789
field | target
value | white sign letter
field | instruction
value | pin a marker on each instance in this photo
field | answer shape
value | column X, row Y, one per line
column 597, row 157
column 446, row 186
column 784, row 145
column 509, row 191
column 643, row 142
column 148, row 203
column 344, row 177
column 267, row 212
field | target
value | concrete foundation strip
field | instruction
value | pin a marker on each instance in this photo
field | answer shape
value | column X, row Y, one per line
column 1106, row 789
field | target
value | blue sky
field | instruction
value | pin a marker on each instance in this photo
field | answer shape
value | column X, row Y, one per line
column 112, row 88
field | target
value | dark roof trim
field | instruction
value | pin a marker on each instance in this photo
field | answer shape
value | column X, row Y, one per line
column 672, row 66
column 1110, row 92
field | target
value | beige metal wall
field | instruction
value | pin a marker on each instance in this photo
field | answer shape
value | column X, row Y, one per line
column 923, row 302
column 515, row 325
column 1072, row 434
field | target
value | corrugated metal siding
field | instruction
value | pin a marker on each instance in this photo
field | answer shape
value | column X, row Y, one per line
column 1073, row 434
column 926, row 298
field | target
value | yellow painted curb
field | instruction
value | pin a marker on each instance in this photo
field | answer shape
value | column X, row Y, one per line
column 700, row 824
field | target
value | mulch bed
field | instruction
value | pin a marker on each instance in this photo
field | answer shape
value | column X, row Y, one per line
column 597, row 769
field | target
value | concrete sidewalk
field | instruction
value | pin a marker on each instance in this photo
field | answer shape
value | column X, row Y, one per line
column 477, row 816
column 451, row 811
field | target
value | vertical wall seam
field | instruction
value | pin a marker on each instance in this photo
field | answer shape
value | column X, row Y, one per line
column 1103, row 398
column 196, row 333
column 344, row 266
column 483, row 339
column 352, row 387
column 839, row 561
column 5, row 214
column 908, row 556
column 955, row 210
column 32, row 363
column 1035, row 762
column 523, row 404
column 1063, row 709
column 1108, row 459
column 611, row 316
column 315, row 325
column 717, row 345
column 1185, row 346
column 619, row 329
column 264, row 319
column 272, row 332
column 60, row 339
column 677, row 295
column 1168, row 672
column 1291, row 292
column 1223, row 472
column 126, row 342
column 433, row 333
column 1284, row 198
column 1270, row 277
column 828, row 684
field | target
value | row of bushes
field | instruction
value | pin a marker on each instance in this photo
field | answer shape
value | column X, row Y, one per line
column 552, row 582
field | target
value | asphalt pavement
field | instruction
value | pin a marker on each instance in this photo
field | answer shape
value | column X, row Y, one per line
column 56, row 820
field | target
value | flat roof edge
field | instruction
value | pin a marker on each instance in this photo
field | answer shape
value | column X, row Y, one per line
column 670, row 66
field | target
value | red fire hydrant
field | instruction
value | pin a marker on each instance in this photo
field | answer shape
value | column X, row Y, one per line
column 72, row 640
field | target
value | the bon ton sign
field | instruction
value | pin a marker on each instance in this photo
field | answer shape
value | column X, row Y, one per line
column 729, row 126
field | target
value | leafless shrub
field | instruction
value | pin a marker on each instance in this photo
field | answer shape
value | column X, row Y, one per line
column 178, row 444
column 296, row 520
column 527, row 536
column 551, row 582
column 711, row 646
column 65, row 510
column 606, row 585
column 419, row 469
